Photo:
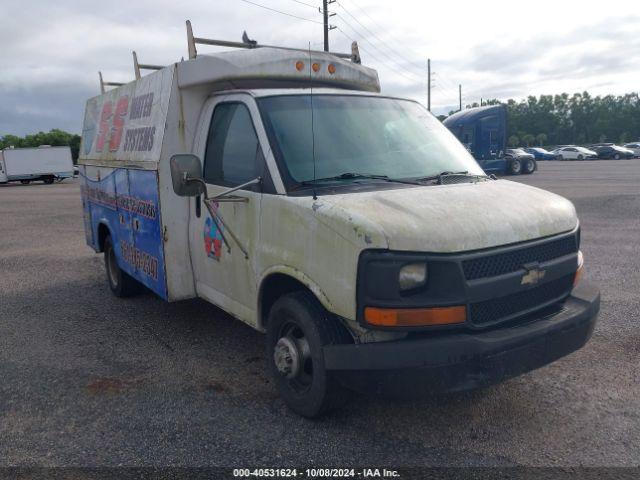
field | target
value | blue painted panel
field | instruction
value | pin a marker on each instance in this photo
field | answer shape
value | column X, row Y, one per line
column 126, row 201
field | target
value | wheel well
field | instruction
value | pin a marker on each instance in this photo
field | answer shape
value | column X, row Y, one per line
column 103, row 232
column 273, row 287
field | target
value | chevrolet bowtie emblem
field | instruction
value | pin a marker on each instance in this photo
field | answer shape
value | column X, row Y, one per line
column 533, row 276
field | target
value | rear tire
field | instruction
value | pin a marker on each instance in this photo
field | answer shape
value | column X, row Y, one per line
column 616, row 156
column 25, row 182
column 121, row 283
column 515, row 167
column 298, row 328
column 48, row 181
column 529, row 166
column 560, row 157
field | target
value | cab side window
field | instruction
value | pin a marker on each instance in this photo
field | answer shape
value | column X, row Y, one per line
column 233, row 155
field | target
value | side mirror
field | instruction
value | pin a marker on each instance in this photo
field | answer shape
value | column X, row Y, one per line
column 186, row 175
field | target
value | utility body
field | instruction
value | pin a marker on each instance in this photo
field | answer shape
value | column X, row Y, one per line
column 26, row 165
column 349, row 226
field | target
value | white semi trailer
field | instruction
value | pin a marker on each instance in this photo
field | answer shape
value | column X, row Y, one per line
column 44, row 163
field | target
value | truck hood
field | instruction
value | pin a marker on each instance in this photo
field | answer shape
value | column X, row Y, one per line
column 447, row 218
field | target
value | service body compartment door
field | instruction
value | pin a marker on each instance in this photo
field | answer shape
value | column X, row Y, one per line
column 146, row 253
column 231, row 155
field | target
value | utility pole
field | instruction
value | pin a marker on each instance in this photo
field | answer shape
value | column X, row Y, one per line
column 460, row 95
column 429, row 84
column 325, row 21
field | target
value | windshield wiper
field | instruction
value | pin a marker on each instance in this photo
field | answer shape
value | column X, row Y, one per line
column 355, row 175
column 439, row 176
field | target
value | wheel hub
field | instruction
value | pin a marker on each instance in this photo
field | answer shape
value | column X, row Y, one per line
column 287, row 357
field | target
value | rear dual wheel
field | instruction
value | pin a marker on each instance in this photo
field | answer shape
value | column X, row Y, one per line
column 120, row 282
column 515, row 167
column 529, row 166
column 297, row 331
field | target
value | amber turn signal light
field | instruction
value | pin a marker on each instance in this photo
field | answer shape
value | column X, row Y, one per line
column 415, row 317
column 331, row 68
column 299, row 65
column 316, row 67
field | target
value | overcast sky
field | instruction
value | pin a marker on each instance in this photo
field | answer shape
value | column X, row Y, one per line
column 51, row 51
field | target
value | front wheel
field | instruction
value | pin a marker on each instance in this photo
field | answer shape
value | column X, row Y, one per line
column 298, row 328
column 580, row 157
column 25, row 182
column 49, row 181
column 529, row 166
column 515, row 167
column 120, row 282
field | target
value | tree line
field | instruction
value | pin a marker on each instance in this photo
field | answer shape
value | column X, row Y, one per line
column 565, row 119
column 55, row 138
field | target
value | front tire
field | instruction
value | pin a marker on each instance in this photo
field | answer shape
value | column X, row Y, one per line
column 298, row 328
column 580, row 157
column 120, row 282
column 529, row 166
column 49, row 181
column 560, row 157
column 25, row 182
column 515, row 167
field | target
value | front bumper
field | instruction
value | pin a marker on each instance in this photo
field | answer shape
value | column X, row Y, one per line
column 449, row 361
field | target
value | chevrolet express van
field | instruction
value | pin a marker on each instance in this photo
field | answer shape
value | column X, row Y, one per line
column 350, row 226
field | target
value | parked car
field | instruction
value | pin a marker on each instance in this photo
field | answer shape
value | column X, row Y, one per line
column 519, row 156
column 574, row 153
column 614, row 152
column 540, row 153
column 634, row 147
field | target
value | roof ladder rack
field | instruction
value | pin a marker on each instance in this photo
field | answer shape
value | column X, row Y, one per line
column 107, row 84
column 142, row 66
column 354, row 56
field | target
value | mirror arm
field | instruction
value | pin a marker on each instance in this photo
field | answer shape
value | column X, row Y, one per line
column 187, row 179
column 239, row 187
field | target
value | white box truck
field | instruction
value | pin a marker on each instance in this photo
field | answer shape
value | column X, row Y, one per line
column 350, row 226
column 44, row 163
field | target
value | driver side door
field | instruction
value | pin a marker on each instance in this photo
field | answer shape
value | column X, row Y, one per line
column 223, row 241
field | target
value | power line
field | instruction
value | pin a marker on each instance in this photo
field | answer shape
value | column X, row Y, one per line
column 315, row 7
column 374, row 56
column 382, row 52
column 451, row 85
column 383, row 42
column 281, row 12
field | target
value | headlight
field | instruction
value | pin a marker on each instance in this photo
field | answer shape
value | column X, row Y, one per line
column 412, row 276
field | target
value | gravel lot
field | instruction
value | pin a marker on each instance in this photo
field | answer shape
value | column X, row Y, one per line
column 89, row 379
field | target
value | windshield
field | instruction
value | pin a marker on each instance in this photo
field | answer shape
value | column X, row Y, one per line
column 380, row 136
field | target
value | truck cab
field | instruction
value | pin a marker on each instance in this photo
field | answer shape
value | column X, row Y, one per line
column 483, row 131
column 349, row 226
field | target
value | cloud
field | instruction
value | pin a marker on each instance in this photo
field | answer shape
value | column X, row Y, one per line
column 51, row 51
